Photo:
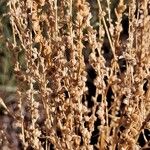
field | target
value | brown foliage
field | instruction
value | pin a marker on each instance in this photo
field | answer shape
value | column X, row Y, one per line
column 82, row 86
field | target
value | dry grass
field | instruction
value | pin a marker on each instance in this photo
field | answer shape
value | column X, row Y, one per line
column 84, row 81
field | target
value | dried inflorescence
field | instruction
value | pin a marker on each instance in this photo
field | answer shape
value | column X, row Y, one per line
column 81, row 85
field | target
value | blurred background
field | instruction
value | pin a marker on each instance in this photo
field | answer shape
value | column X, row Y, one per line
column 7, row 79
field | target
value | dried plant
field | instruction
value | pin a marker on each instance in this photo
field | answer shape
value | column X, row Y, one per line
column 82, row 80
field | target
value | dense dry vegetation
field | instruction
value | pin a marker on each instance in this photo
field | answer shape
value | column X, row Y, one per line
column 82, row 69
